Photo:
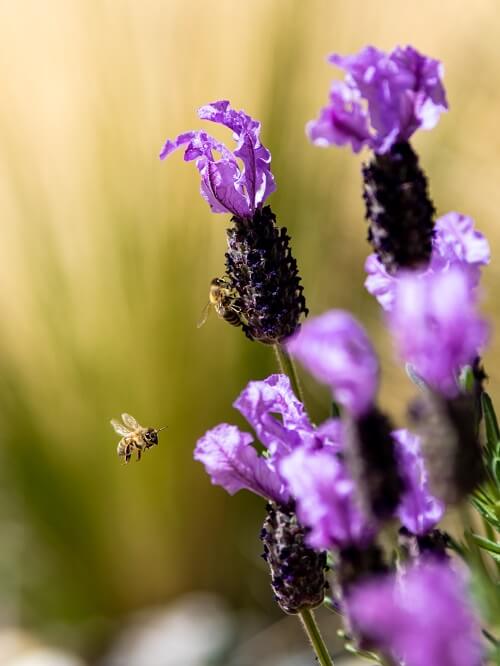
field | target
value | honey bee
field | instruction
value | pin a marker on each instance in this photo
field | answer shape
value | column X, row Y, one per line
column 134, row 437
column 222, row 298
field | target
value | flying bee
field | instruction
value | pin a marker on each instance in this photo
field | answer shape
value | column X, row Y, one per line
column 134, row 437
column 222, row 298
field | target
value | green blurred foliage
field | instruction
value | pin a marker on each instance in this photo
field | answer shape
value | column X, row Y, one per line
column 106, row 255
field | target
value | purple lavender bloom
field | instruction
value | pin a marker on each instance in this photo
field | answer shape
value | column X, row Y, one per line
column 233, row 463
column 384, row 99
column 456, row 242
column 325, row 497
column 424, row 618
column 337, row 352
column 436, row 326
column 418, row 510
column 228, row 454
column 236, row 182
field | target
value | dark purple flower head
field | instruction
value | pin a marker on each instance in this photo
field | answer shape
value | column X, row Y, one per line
column 436, row 326
column 456, row 242
column 325, row 498
column 422, row 618
column 418, row 510
column 233, row 463
column 236, row 182
column 384, row 99
column 337, row 352
column 228, row 454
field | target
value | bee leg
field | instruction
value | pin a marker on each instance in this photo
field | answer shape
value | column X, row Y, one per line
column 139, row 453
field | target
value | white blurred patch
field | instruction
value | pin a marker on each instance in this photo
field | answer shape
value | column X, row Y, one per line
column 191, row 631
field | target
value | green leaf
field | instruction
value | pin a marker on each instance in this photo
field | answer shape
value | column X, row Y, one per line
column 487, row 544
column 491, row 422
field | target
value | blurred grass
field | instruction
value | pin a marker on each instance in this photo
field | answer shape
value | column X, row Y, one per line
column 106, row 255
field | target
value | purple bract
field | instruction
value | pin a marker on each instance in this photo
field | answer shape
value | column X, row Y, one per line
column 235, row 182
column 384, row 99
column 436, row 326
column 423, row 618
column 325, row 497
column 337, row 352
column 456, row 243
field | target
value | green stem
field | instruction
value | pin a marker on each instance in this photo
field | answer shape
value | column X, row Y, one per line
column 287, row 367
column 312, row 630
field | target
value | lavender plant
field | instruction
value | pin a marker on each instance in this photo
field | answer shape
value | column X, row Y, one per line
column 336, row 491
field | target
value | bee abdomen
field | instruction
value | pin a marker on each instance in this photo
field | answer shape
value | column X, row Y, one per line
column 232, row 317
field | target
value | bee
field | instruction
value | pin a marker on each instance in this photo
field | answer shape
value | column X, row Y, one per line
column 222, row 298
column 134, row 437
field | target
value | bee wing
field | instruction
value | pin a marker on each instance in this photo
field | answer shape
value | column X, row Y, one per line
column 130, row 422
column 204, row 315
column 120, row 428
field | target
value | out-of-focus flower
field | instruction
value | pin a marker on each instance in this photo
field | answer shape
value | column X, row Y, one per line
column 227, row 186
column 384, row 99
column 325, row 497
column 436, row 327
column 423, row 618
column 456, row 242
column 337, row 352
column 418, row 510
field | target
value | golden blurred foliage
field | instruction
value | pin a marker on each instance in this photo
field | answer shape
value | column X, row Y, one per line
column 106, row 255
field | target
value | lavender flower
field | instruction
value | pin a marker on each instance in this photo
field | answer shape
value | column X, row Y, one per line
column 418, row 511
column 436, row 327
column 384, row 99
column 337, row 351
column 424, row 618
column 297, row 570
column 225, row 186
column 456, row 242
column 261, row 272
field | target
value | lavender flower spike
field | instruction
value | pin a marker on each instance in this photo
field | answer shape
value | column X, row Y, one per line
column 226, row 186
column 436, row 327
column 337, row 352
column 423, row 618
column 384, row 99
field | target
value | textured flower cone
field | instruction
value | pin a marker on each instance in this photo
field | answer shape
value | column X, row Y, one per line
column 372, row 459
column 264, row 276
column 297, row 571
column 414, row 547
column 450, row 445
column 398, row 209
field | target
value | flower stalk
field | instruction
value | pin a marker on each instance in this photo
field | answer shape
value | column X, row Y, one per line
column 287, row 367
column 314, row 635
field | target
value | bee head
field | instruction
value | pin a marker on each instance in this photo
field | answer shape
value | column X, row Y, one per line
column 151, row 437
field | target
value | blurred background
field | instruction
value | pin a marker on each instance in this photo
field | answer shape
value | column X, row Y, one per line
column 106, row 255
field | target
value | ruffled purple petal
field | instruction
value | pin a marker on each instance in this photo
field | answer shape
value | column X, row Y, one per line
column 258, row 179
column 261, row 400
column 343, row 121
column 418, row 510
column 324, row 494
column 337, row 352
column 402, row 91
column 423, row 618
column 436, row 326
column 225, row 186
column 232, row 462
